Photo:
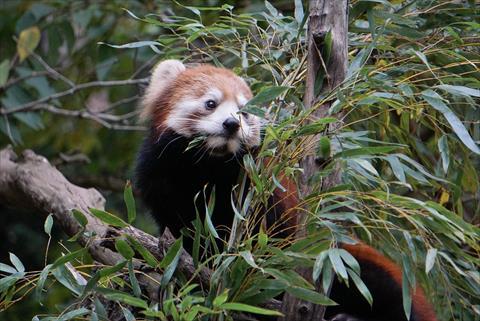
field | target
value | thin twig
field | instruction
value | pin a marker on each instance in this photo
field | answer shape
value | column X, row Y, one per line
column 102, row 119
column 52, row 71
column 31, row 105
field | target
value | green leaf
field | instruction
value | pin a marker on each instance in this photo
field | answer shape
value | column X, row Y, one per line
column 262, row 238
column 124, row 249
column 7, row 268
column 366, row 151
column 267, row 95
column 220, row 299
column 406, row 295
column 444, row 153
column 28, row 40
column 437, row 103
column 136, row 44
column 337, row 263
column 273, row 11
column 17, row 263
column 248, row 308
column 129, row 202
column 254, row 110
column 430, row 259
column 170, row 261
column 362, row 288
column 67, row 258
column 109, row 271
column 127, row 314
column 324, row 147
column 133, row 280
column 127, row 299
column 310, row 296
column 315, row 127
column 65, row 277
column 424, row 59
column 460, row 90
column 4, row 70
column 146, row 255
column 318, row 265
column 73, row 314
column 359, row 61
column 8, row 281
column 299, row 13
column 171, row 253
column 248, row 257
column 350, row 260
column 100, row 309
column 108, row 218
column 397, row 168
column 80, row 217
column 41, row 282
column 47, row 226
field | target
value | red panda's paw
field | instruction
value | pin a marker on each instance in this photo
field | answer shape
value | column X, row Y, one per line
column 345, row 317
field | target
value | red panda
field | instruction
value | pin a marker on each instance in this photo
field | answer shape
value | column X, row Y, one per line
column 204, row 101
column 183, row 104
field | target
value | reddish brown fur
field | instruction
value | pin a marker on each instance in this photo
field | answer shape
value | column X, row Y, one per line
column 194, row 82
column 361, row 251
column 289, row 201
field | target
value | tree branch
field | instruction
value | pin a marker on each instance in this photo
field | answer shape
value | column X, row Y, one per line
column 31, row 182
column 31, row 105
column 325, row 17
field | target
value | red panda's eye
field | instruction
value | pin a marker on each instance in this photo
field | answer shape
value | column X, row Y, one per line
column 210, row 104
column 245, row 115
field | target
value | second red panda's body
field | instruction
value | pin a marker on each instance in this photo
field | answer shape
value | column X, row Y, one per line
column 184, row 104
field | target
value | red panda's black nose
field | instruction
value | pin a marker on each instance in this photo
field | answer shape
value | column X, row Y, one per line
column 231, row 125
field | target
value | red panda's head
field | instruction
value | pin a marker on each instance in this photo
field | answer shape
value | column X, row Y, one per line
column 201, row 101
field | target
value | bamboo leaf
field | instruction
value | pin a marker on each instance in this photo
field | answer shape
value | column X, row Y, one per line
column 67, row 258
column 362, row 288
column 108, row 218
column 28, row 40
column 430, row 260
column 129, row 202
column 460, row 90
column 437, row 103
column 41, row 282
column 266, row 95
column 444, row 152
column 124, row 249
column 17, row 263
column 337, row 263
column 47, row 226
column 80, row 217
column 133, row 280
column 146, row 255
column 248, row 308
column 4, row 70
column 310, row 296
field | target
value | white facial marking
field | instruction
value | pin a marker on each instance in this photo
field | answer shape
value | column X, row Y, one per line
column 233, row 145
column 180, row 117
column 210, row 122
column 242, row 101
column 216, row 141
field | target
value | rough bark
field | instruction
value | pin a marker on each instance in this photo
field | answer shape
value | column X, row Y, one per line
column 324, row 16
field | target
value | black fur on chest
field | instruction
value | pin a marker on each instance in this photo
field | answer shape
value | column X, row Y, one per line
column 169, row 176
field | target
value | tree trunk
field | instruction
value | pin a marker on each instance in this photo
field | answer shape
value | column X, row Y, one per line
column 325, row 16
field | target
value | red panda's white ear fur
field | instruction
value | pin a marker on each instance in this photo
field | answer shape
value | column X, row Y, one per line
column 163, row 74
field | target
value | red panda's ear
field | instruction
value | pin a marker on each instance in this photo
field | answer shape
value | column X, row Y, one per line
column 163, row 74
